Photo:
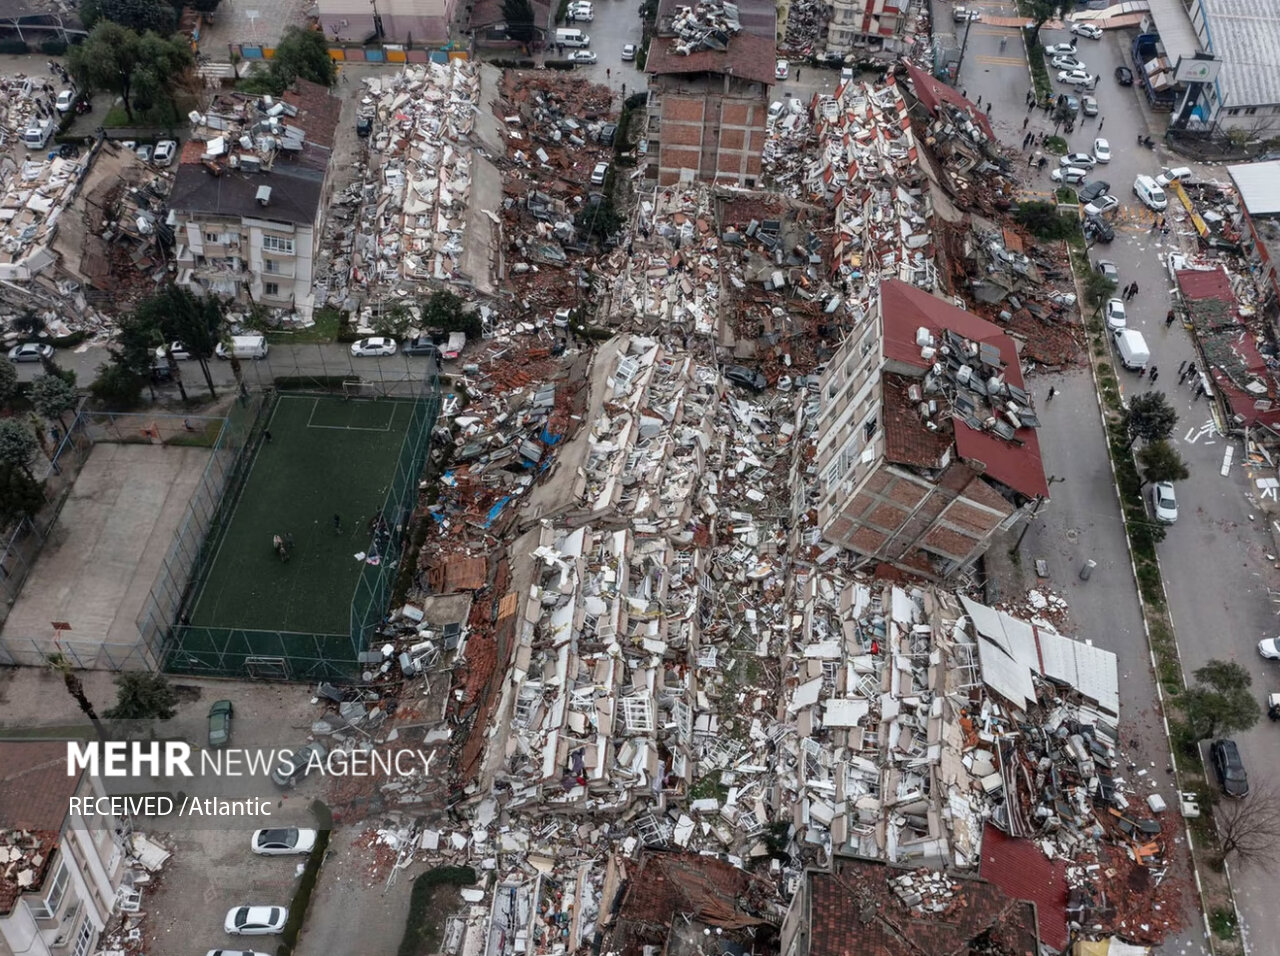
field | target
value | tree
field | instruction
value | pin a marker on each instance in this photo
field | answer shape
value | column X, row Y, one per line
column 1150, row 417
column 75, row 687
column 139, row 15
column 116, row 59
column 9, row 386
column 142, row 695
column 21, row 496
column 1043, row 220
column 176, row 314
column 18, row 445
column 29, row 324
column 1249, row 830
column 1038, row 11
column 302, row 55
column 1160, row 461
column 1219, row 701
column 117, row 386
column 446, row 312
column 53, row 396
column 519, row 17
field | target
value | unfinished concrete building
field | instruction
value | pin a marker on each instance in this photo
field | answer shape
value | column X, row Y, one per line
column 927, row 442
column 877, row 24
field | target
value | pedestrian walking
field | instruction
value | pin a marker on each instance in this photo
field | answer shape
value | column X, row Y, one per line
column 1199, row 390
column 1182, row 370
column 1003, row 41
column 1155, row 372
column 1031, row 160
column 1164, row 231
column 337, row 524
column 797, row 74
column 1168, row 321
column 608, row 74
column 1133, row 290
column 266, row 435
column 1031, row 104
column 979, row 99
column 1155, row 223
column 1053, row 390
column 1029, row 98
column 1191, row 370
column 1025, row 121
column 1043, row 162
column 988, row 107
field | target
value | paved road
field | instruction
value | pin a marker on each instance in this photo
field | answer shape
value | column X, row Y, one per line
column 617, row 23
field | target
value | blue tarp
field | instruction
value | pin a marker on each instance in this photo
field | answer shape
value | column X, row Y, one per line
column 496, row 510
column 548, row 438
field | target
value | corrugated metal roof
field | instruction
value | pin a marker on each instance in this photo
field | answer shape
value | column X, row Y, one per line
column 1090, row 670
column 1176, row 33
column 1259, row 186
column 1245, row 35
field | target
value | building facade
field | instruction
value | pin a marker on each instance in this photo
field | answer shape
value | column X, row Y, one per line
column 862, row 23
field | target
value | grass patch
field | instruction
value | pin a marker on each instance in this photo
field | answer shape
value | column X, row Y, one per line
column 302, row 895
column 328, row 321
column 422, row 929
column 1224, row 923
column 1056, row 145
column 1066, row 196
column 709, row 788
column 164, row 114
column 1039, row 71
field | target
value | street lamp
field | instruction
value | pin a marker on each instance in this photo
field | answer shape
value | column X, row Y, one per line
column 1040, row 500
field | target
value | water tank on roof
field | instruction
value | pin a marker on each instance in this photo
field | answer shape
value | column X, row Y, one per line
column 964, row 374
column 924, row 336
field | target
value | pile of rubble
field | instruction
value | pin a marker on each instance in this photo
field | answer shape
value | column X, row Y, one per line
column 806, row 24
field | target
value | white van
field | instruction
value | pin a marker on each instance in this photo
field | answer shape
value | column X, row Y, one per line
column 1149, row 191
column 1132, row 349
column 38, row 134
column 572, row 38
column 243, row 347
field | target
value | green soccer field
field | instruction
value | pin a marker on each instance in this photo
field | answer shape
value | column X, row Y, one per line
column 326, row 457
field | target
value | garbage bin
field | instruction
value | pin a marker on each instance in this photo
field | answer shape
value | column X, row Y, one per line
column 1087, row 569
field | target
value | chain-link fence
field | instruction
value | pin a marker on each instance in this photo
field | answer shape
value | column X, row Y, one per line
column 326, row 367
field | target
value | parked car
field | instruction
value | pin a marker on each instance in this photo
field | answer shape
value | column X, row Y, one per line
column 177, row 348
column 374, row 346
column 746, row 377
column 66, row 100
column 30, row 352
column 1086, row 30
column 781, row 70
column 421, row 345
column 1124, row 76
column 255, row 920
column 582, row 56
column 1091, row 191
column 628, row 52
column 599, row 173
column 1102, row 150
column 1164, row 501
column 1069, row 175
column 1101, row 206
column 1067, row 61
column 1056, row 49
column 166, row 149
column 1149, row 191
column 364, row 126
column 1107, row 269
column 1269, row 647
column 1076, row 77
column 1230, row 768
column 1089, row 105
column 282, row 841
column 1097, row 229
column 1073, row 104
column 292, row 766
column 144, row 152
column 1180, row 174
column 1082, row 160
column 1116, row 319
column 220, row 715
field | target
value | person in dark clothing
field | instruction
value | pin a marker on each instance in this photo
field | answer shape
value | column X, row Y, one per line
column 337, row 524
column 1182, row 369
column 1053, row 390
column 266, row 435
column 1168, row 321
column 1133, row 289
column 1154, row 373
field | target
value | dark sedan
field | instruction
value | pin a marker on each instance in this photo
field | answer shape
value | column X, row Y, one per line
column 1091, row 191
column 1124, row 76
column 421, row 345
column 1230, row 768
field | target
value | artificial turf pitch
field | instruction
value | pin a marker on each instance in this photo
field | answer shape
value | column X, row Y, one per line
column 326, row 456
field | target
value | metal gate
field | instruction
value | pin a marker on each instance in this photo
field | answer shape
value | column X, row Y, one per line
column 267, row 668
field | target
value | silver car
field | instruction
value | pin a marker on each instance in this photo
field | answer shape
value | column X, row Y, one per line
column 292, row 766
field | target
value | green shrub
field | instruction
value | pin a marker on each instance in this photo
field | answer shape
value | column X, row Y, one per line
column 69, row 341
column 53, row 47
column 14, row 47
column 302, row 895
column 1043, row 220
column 294, row 383
column 421, row 935
column 1056, row 145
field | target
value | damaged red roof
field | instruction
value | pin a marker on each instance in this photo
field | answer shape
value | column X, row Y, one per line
column 748, row 57
column 931, row 92
column 1021, row 870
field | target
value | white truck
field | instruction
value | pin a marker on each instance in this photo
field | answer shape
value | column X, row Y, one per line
column 38, row 133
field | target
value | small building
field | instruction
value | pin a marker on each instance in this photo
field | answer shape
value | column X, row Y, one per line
column 250, row 194
column 389, row 21
column 927, row 441
column 61, row 874
column 1258, row 185
column 863, row 23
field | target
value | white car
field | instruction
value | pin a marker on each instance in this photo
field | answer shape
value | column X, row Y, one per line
column 255, row 920
column 282, row 841
column 144, row 152
column 1076, row 77
column 1149, row 191
column 1101, row 150
column 372, row 347
column 1176, row 262
column 1067, row 61
column 1071, row 175
column 582, row 56
column 1101, row 206
column 1164, row 501
column 166, row 149
column 1087, row 30
column 1082, row 160
column 66, row 100
column 1269, row 647
column 599, row 173
column 628, row 52
column 1054, row 49
column 30, row 352
column 1116, row 319
column 1177, row 174
column 781, row 70
column 177, row 348
column 581, row 11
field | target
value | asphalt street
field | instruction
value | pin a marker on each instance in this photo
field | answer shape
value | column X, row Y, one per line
column 616, row 23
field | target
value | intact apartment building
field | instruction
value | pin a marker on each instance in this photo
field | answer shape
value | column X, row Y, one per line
column 249, row 197
column 865, row 23
column 712, row 69
column 59, row 874
column 927, row 444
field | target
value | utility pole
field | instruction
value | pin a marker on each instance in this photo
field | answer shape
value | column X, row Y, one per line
column 964, row 45
column 1040, row 500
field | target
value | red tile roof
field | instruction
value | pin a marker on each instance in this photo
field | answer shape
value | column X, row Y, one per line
column 748, row 57
column 1205, row 284
column 1021, row 870
column 904, row 310
column 34, row 790
column 855, row 912
column 932, row 92
column 906, row 439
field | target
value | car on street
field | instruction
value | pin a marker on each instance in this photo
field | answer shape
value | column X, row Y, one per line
column 30, row 352
column 781, row 70
column 599, row 173
column 1124, row 76
column 1076, row 77
column 1091, row 191
column 1086, row 30
column 177, row 348
column 963, row 14
column 1149, row 191
column 746, row 377
column 1101, row 150
column 1069, row 175
column 66, row 100
column 1179, row 174
column 1083, row 160
column 1097, row 229
column 1164, row 501
column 144, row 152
column 166, row 149
column 292, row 766
column 255, row 920
column 1230, row 768
column 582, row 56
column 628, row 52
column 1067, row 61
column 1101, row 206
column 1089, row 105
column 1073, row 104
column 1269, row 647
column 421, row 345
column 282, row 841
column 373, row 347
column 1116, row 319
column 220, row 715
column 1107, row 269
column 1057, row 49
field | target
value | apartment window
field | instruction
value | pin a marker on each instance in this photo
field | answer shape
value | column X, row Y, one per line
column 44, row 909
column 272, row 288
column 1251, row 111
column 84, row 939
column 212, row 238
column 868, row 430
column 270, row 265
column 1233, row 112
column 276, row 244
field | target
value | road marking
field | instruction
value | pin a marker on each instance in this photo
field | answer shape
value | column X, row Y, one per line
column 1226, row 460
column 1003, row 61
column 1194, row 436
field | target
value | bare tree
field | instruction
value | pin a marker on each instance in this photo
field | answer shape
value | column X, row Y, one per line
column 1249, row 829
